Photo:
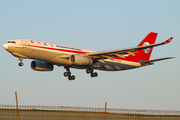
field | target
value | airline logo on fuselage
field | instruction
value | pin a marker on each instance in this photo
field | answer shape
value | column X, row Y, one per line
column 58, row 46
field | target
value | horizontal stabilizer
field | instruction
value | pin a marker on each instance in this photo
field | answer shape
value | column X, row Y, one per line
column 149, row 62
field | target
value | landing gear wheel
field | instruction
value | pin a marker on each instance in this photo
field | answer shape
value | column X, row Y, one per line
column 94, row 74
column 89, row 71
column 71, row 77
column 68, row 73
column 65, row 74
column 21, row 64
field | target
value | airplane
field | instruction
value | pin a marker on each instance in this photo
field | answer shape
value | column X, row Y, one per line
column 46, row 55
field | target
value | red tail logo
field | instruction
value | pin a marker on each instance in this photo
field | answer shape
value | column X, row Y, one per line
column 147, row 50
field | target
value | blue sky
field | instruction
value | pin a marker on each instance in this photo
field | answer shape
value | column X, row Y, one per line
column 97, row 25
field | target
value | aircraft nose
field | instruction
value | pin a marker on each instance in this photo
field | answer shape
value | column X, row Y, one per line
column 5, row 46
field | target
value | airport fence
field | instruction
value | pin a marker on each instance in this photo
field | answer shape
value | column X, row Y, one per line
column 36, row 112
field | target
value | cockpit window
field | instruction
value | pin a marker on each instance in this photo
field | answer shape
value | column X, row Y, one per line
column 11, row 42
column 32, row 41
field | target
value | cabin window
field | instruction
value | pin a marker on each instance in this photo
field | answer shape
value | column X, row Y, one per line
column 39, row 43
column 78, row 49
column 72, row 48
column 45, row 44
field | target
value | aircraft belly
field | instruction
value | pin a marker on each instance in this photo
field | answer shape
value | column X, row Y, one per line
column 109, row 65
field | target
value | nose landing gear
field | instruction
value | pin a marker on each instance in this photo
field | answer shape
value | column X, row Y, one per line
column 68, row 73
column 21, row 63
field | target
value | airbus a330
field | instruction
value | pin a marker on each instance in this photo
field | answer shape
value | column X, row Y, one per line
column 46, row 55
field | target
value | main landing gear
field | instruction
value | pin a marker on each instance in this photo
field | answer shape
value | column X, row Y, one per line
column 72, row 77
column 95, row 74
column 21, row 63
column 68, row 73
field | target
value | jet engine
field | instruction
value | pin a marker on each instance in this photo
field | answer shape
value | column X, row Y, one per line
column 80, row 60
column 41, row 66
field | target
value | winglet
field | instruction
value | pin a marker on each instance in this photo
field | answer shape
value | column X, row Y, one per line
column 168, row 40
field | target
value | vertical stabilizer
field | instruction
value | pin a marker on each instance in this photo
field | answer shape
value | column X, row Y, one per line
column 145, row 53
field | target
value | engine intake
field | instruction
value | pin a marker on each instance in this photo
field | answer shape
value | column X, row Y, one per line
column 80, row 60
column 41, row 66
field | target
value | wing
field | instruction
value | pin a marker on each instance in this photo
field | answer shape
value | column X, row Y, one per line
column 121, row 52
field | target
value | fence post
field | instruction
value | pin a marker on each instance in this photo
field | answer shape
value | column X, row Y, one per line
column 17, row 105
column 105, row 110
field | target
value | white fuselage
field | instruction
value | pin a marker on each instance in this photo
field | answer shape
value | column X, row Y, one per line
column 58, row 54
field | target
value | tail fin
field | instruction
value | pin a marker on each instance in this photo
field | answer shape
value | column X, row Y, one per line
column 146, row 53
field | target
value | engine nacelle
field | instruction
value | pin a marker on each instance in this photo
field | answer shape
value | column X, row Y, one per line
column 80, row 60
column 41, row 66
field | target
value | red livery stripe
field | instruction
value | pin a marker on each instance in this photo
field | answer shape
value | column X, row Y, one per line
column 64, row 50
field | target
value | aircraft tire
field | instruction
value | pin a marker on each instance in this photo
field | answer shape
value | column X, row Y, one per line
column 65, row 74
column 92, row 74
column 73, row 77
column 95, row 74
column 69, row 78
column 21, row 64
column 68, row 73
column 89, row 71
